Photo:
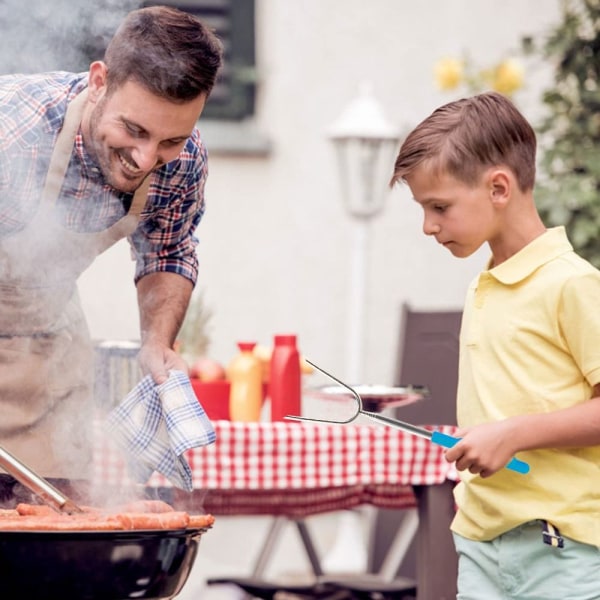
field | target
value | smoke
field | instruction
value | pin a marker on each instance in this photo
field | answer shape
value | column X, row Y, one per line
column 66, row 35
column 38, row 36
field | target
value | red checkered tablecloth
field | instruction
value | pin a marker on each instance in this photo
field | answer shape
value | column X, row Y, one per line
column 300, row 468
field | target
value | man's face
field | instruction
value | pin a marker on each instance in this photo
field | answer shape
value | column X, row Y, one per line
column 131, row 132
column 460, row 217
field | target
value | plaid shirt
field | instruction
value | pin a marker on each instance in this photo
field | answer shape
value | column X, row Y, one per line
column 32, row 110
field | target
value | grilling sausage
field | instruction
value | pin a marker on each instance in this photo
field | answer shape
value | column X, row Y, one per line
column 143, row 514
column 165, row 520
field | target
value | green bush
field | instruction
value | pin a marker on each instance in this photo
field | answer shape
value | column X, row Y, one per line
column 568, row 191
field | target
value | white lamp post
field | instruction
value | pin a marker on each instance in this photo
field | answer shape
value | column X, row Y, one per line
column 365, row 142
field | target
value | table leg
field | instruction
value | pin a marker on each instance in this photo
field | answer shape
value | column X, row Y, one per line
column 309, row 547
column 268, row 546
column 272, row 538
column 437, row 563
column 400, row 545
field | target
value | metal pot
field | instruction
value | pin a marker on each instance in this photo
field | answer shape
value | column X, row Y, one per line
column 96, row 565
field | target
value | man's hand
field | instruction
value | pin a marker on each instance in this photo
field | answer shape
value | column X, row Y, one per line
column 163, row 299
column 157, row 360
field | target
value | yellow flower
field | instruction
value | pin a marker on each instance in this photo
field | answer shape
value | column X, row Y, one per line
column 449, row 73
column 508, row 77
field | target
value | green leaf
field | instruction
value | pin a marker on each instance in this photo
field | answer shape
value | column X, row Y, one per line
column 568, row 191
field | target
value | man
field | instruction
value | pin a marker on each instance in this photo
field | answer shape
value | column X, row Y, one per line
column 85, row 160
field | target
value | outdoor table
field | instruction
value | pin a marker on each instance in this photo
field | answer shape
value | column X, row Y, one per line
column 291, row 470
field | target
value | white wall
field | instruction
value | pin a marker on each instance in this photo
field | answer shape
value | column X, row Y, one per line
column 275, row 242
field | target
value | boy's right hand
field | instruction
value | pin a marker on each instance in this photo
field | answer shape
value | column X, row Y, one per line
column 484, row 449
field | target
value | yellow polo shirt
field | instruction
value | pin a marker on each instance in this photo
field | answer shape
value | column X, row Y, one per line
column 530, row 343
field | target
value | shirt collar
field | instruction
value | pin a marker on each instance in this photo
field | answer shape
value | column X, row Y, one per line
column 90, row 168
column 543, row 249
column 88, row 165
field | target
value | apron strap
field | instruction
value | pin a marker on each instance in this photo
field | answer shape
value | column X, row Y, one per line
column 61, row 154
column 139, row 198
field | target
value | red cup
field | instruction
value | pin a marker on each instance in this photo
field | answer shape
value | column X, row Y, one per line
column 214, row 398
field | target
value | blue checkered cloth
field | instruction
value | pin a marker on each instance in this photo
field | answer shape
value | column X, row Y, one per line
column 156, row 424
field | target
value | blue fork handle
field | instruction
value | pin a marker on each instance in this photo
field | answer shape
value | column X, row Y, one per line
column 447, row 441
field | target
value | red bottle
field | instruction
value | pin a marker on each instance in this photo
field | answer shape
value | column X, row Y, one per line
column 284, row 378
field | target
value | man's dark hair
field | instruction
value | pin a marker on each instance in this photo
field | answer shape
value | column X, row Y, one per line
column 171, row 53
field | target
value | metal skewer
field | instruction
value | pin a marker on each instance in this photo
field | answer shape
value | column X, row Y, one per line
column 38, row 485
column 437, row 437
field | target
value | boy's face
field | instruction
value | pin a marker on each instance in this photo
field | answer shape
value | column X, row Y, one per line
column 461, row 217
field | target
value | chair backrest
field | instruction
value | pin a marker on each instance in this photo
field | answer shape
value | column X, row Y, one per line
column 428, row 355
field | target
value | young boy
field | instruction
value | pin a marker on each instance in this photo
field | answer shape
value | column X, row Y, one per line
column 529, row 369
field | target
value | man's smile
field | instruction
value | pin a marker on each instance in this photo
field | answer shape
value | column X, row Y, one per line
column 130, row 169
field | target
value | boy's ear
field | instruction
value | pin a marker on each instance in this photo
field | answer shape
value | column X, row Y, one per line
column 499, row 183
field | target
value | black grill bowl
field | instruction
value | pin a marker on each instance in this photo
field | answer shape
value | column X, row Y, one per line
column 96, row 565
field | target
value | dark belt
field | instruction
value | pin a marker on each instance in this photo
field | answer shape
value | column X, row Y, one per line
column 551, row 535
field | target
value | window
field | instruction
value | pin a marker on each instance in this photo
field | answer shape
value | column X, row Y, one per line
column 233, row 21
column 40, row 36
column 37, row 38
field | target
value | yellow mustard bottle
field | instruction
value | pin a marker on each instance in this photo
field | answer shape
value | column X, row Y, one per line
column 245, row 376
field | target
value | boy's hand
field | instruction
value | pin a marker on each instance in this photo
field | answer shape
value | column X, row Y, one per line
column 483, row 449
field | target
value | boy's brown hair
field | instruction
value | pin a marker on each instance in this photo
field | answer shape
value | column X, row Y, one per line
column 464, row 137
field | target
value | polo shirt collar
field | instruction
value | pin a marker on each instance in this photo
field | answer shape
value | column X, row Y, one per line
column 543, row 249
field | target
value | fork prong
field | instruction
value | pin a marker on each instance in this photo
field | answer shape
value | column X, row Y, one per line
column 313, row 420
column 345, row 385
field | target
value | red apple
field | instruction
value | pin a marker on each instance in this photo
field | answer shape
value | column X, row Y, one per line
column 207, row 369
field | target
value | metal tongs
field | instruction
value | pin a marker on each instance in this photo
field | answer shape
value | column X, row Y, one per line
column 38, row 485
column 437, row 437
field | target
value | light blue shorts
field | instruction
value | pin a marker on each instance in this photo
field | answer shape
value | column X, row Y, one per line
column 518, row 565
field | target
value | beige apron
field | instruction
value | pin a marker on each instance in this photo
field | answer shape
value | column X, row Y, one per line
column 46, row 359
